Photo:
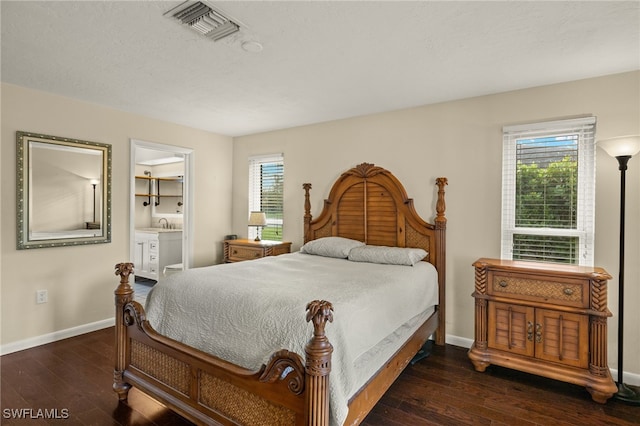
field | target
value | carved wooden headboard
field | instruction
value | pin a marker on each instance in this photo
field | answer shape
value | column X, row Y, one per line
column 369, row 204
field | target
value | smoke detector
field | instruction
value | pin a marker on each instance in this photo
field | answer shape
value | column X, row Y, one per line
column 204, row 19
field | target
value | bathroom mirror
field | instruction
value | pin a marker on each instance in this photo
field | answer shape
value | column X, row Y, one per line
column 63, row 191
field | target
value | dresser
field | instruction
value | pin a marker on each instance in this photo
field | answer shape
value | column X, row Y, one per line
column 243, row 249
column 545, row 319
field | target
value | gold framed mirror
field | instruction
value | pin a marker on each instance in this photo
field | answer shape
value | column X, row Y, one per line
column 63, row 191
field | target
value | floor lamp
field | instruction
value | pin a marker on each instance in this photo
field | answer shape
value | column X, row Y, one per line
column 622, row 148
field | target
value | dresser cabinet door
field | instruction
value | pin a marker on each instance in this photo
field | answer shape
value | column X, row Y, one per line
column 511, row 328
column 562, row 337
column 139, row 255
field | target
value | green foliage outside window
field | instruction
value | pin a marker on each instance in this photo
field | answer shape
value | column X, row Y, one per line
column 546, row 198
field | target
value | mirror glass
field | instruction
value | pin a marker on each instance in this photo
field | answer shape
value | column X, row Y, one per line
column 63, row 191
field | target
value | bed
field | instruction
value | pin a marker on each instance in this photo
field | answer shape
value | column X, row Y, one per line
column 294, row 385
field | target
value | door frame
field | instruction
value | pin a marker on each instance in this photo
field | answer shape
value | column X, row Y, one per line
column 188, row 207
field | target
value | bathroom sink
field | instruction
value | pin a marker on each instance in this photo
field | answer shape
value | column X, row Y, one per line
column 158, row 230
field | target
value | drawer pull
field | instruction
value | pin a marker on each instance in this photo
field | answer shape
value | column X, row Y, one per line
column 568, row 291
column 503, row 283
column 538, row 333
column 530, row 331
column 235, row 252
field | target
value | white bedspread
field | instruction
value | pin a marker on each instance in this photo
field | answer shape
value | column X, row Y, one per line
column 244, row 312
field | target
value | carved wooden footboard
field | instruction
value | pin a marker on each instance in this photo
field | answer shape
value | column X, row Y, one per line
column 202, row 388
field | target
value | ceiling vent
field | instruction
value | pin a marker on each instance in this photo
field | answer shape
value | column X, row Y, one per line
column 204, row 19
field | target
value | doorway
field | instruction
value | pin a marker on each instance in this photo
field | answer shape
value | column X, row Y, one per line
column 161, row 209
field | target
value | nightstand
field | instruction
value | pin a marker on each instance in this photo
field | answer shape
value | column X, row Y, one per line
column 545, row 319
column 243, row 249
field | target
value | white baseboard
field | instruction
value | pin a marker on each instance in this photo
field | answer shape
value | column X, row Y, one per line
column 463, row 342
column 55, row 336
column 629, row 378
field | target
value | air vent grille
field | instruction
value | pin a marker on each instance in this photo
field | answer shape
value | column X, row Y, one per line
column 204, row 19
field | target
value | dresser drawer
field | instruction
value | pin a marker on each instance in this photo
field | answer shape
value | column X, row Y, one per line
column 237, row 253
column 281, row 249
column 539, row 288
column 244, row 249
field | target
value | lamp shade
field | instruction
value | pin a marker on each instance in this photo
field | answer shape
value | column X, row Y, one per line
column 257, row 219
column 621, row 146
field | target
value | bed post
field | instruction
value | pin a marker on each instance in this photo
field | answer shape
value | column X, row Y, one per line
column 441, row 266
column 318, row 365
column 124, row 295
column 307, row 211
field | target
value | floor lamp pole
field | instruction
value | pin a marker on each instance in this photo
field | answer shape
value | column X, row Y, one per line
column 94, row 202
column 625, row 394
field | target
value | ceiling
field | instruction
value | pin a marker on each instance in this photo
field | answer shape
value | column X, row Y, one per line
column 320, row 60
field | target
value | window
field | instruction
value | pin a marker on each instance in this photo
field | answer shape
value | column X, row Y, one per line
column 548, row 191
column 266, row 178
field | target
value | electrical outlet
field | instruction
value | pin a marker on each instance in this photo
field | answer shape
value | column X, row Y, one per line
column 42, row 296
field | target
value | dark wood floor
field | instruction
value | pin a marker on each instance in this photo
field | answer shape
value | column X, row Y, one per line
column 74, row 377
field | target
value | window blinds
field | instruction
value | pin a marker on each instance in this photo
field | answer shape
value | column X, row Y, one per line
column 548, row 183
column 266, row 178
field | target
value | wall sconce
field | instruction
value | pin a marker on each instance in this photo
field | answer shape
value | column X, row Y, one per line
column 257, row 219
column 622, row 148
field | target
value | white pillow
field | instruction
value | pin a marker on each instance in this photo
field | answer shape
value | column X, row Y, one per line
column 387, row 255
column 331, row 247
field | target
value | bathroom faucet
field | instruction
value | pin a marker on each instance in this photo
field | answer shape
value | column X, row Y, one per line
column 166, row 222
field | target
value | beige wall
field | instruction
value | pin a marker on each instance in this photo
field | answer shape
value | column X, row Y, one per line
column 80, row 280
column 462, row 140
